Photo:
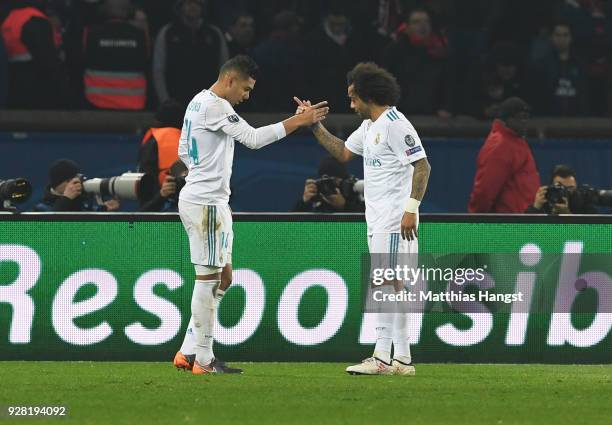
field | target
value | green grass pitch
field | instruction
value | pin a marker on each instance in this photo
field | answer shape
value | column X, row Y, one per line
column 309, row 393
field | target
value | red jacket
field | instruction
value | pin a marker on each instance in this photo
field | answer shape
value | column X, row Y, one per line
column 506, row 176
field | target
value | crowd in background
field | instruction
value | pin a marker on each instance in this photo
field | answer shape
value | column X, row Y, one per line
column 451, row 57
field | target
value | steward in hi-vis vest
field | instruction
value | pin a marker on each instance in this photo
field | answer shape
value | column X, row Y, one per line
column 116, row 61
column 37, row 78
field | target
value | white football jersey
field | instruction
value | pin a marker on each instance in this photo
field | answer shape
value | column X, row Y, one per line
column 206, row 146
column 389, row 146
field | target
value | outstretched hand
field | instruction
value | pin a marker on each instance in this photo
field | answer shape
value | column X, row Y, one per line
column 302, row 105
column 312, row 114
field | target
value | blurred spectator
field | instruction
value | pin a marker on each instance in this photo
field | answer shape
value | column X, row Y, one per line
column 506, row 175
column 37, row 77
column 502, row 76
column 159, row 147
column 468, row 23
column 188, row 53
column 591, row 23
column 564, row 76
column 333, row 191
column 372, row 25
column 265, row 12
column 65, row 191
column 518, row 21
column 440, row 11
column 420, row 60
column 240, row 35
column 224, row 13
column 116, row 59
column 331, row 43
column 387, row 15
column 433, row 62
column 567, row 195
column 166, row 198
column 281, row 60
column 585, row 18
column 158, row 13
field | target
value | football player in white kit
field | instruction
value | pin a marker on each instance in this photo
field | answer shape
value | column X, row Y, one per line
column 396, row 172
column 206, row 146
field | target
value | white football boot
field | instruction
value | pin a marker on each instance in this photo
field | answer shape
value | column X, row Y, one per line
column 371, row 366
column 401, row 368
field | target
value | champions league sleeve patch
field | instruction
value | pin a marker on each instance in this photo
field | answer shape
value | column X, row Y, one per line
column 233, row 119
column 409, row 140
column 414, row 150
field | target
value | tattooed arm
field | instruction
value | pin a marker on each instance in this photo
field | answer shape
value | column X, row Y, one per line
column 334, row 145
column 420, row 177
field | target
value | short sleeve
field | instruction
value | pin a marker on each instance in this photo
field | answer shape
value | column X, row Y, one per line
column 355, row 141
column 405, row 142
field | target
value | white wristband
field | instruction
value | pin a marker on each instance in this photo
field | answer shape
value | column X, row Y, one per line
column 412, row 206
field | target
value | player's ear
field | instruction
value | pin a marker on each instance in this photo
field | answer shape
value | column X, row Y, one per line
column 225, row 79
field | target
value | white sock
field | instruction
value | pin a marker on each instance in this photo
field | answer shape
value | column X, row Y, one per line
column 384, row 336
column 401, row 338
column 188, row 347
column 203, row 314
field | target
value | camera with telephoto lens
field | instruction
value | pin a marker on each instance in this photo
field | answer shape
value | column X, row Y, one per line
column 128, row 186
column 556, row 193
column 14, row 191
column 587, row 197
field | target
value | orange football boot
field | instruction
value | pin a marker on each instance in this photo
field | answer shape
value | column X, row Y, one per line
column 198, row 369
column 183, row 362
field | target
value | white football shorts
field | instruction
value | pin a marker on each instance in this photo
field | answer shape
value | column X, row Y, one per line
column 388, row 250
column 209, row 228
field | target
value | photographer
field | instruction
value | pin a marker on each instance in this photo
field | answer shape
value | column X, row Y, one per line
column 563, row 196
column 65, row 191
column 166, row 199
column 333, row 191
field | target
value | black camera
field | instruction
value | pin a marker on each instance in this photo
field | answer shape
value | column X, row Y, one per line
column 326, row 185
column 14, row 191
column 348, row 186
column 180, row 183
column 556, row 193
